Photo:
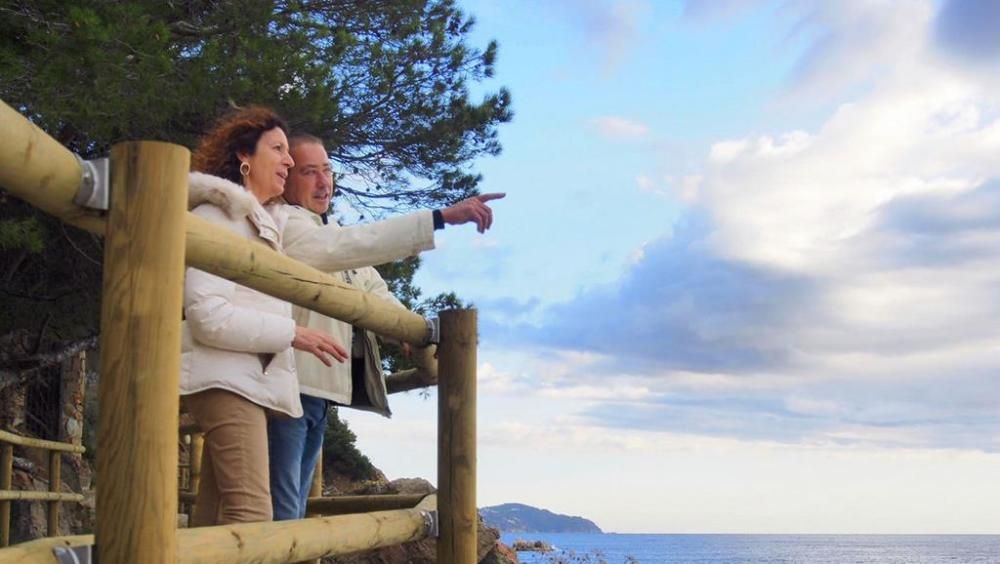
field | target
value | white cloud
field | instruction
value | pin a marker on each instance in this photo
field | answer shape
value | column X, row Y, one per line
column 616, row 128
column 491, row 380
column 686, row 189
column 827, row 286
column 637, row 255
column 851, row 43
column 792, row 202
column 484, row 242
column 707, row 11
column 612, row 27
column 558, row 436
column 689, row 188
column 611, row 392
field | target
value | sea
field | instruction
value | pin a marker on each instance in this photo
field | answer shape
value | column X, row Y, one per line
column 611, row 548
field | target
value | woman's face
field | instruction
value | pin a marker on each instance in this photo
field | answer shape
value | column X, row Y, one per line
column 269, row 165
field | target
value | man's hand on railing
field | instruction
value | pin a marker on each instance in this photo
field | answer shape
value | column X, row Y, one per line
column 319, row 344
column 472, row 209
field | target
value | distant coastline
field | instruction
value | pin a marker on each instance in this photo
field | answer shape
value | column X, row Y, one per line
column 521, row 518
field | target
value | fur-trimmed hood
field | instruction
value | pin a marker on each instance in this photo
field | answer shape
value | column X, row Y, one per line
column 234, row 199
column 238, row 203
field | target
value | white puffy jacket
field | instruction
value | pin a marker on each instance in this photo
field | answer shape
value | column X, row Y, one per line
column 236, row 338
column 335, row 383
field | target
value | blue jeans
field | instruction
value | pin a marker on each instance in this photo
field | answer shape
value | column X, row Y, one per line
column 294, row 446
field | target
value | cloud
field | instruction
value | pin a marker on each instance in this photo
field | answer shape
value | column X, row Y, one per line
column 681, row 307
column 709, row 11
column 460, row 258
column 832, row 412
column 485, row 242
column 559, row 436
column 612, row 27
column 850, row 44
column 615, row 128
column 831, row 286
column 615, row 391
column 938, row 230
column 969, row 30
column 492, row 380
column 686, row 189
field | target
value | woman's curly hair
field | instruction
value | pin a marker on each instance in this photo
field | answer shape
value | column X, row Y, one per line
column 236, row 132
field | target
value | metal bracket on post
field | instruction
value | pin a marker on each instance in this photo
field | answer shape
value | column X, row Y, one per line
column 75, row 554
column 431, row 523
column 94, row 183
column 434, row 328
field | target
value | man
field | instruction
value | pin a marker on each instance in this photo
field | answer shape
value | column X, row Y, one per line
column 346, row 253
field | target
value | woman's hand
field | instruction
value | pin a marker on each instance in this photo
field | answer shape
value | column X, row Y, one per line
column 320, row 344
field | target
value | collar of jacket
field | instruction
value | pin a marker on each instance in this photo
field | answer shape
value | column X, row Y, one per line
column 318, row 219
column 237, row 203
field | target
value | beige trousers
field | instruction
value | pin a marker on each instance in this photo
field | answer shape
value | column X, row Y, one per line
column 235, row 481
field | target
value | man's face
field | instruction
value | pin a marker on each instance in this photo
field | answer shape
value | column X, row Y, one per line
column 310, row 182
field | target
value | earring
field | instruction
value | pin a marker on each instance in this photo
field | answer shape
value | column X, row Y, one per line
column 245, row 168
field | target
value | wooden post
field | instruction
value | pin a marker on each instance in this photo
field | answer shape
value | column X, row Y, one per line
column 458, row 517
column 140, row 360
column 6, row 478
column 55, row 485
column 316, row 488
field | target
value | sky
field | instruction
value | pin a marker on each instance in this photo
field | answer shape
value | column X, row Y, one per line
column 745, row 279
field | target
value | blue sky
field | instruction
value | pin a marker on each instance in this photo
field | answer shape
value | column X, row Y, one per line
column 745, row 277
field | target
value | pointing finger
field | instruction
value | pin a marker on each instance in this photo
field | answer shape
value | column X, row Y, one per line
column 491, row 196
column 481, row 220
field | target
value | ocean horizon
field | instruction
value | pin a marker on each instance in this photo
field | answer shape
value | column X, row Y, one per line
column 614, row 548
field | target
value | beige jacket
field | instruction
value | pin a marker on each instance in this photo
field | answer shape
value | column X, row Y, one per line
column 397, row 241
column 332, row 248
column 236, row 338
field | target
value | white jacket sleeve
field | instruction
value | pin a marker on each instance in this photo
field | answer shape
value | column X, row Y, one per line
column 332, row 248
column 215, row 320
column 372, row 282
column 369, row 280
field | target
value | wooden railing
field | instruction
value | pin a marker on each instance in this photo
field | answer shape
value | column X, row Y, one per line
column 54, row 496
column 278, row 541
column 149, row 238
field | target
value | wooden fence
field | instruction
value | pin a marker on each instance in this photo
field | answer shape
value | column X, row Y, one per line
column 149, row 238
column 54, row 496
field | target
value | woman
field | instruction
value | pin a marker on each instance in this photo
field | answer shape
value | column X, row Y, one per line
column 237, row 366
